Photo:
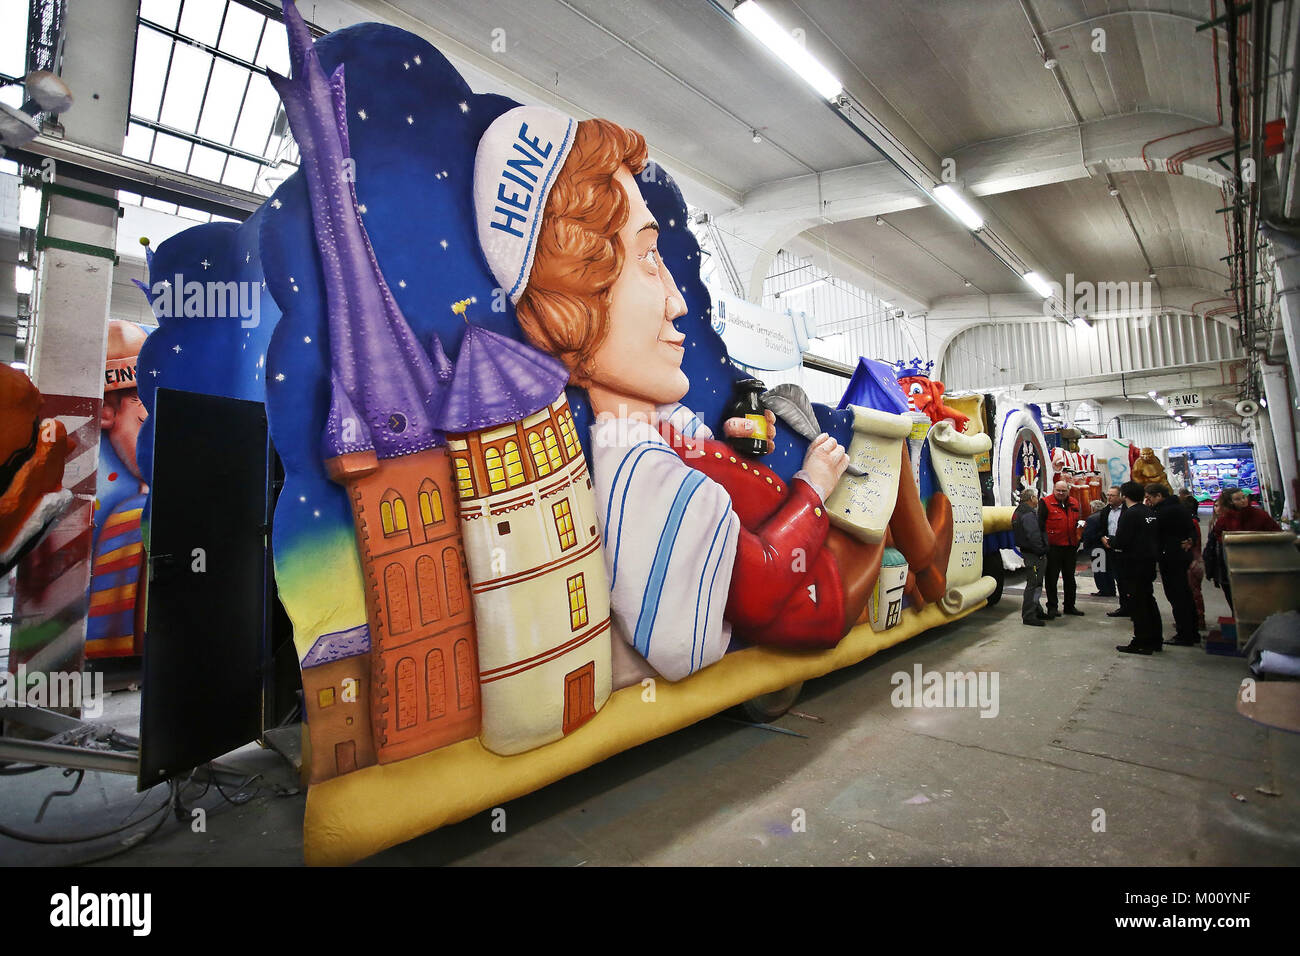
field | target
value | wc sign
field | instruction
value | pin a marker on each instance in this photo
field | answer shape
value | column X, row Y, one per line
column 1185, row 400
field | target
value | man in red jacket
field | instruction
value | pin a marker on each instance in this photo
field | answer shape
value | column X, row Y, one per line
column 1060, row 517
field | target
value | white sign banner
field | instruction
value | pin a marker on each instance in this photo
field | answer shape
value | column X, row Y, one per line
column 761, row 338
column 1184, row 400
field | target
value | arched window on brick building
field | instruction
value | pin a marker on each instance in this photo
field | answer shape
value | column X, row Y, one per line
column 392, row 513
column 435, row 679
column 430, row 503
column 426, row 586
column 397, row 599
column 407, row 705
column 452, row 578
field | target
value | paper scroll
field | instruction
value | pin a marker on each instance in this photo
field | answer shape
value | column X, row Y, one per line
column 862, row 506
column 952, row 456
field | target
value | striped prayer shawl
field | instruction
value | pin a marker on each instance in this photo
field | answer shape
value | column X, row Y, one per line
column 670, row 541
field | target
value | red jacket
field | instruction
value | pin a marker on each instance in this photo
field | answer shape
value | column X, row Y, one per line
column 1062, row 524
column 785, row 584
column 1249, row 518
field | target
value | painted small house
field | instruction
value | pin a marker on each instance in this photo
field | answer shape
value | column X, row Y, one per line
column 336, row 698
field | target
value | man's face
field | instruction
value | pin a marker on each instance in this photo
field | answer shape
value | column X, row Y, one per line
column 122, row 425
column 1062, row 491
column 1239, row 500
column 641, row 356
column 1113, row 498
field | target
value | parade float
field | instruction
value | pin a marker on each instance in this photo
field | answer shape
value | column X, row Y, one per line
column 516, row 534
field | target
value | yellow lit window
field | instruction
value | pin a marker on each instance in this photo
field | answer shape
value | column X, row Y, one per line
column 430, row 504
column 514, row 466
column 392, row 513
column 569, row 433
column 564, row 525
column 464, row 481
column 577, row 602
column 326, row 697
column 552, row 448
column 539, row 454
column 496, row 472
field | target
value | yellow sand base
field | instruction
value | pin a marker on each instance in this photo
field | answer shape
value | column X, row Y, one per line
column 353, row 816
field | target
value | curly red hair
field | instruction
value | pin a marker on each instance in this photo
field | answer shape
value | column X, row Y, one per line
column 564, row 310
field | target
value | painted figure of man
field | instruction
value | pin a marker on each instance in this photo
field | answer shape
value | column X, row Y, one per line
column 698, row 539
column 115, row 626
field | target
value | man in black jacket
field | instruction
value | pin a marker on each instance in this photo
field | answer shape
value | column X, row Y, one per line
column 1177, row 535
column 1033, row 548
column 1093, row 529
column 1136, row 544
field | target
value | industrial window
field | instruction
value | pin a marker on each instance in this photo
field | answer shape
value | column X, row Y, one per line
column 539, row 454
column 577, row 602
column 552, row 448
column 496, row 471
column 514, row 466
column 201, row 102
column 564, row 524
column 570, row 434
column 464, row 480
column 430, row 503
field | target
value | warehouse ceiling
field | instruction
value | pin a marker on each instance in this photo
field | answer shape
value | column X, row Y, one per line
column 943, row 76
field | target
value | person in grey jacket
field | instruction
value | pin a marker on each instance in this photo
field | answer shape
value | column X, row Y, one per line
column 1033, row 548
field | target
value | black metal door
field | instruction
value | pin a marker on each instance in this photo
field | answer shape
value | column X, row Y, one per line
column 206, row 617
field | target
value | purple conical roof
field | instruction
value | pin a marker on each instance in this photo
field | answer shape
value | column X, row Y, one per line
column 498, row 380
column 380, row 374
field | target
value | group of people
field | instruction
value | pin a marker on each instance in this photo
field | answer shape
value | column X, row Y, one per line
column 1141, row 530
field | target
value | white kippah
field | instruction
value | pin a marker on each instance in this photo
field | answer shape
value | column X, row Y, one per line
column 519, row 158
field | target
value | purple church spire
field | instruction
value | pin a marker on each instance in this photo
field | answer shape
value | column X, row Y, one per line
column 498, row 380
column 382, row 384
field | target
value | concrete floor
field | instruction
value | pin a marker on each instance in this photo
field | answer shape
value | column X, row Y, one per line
column 1154, row 742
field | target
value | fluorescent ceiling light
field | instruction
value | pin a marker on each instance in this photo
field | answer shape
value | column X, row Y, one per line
column 29, row 207
column 1151, row 394
column 1037, row 283
column 1160, row 401
column 1079, row 322
column 777, row 39
column 23, row 280
column 804, row 287
column 956, row 204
